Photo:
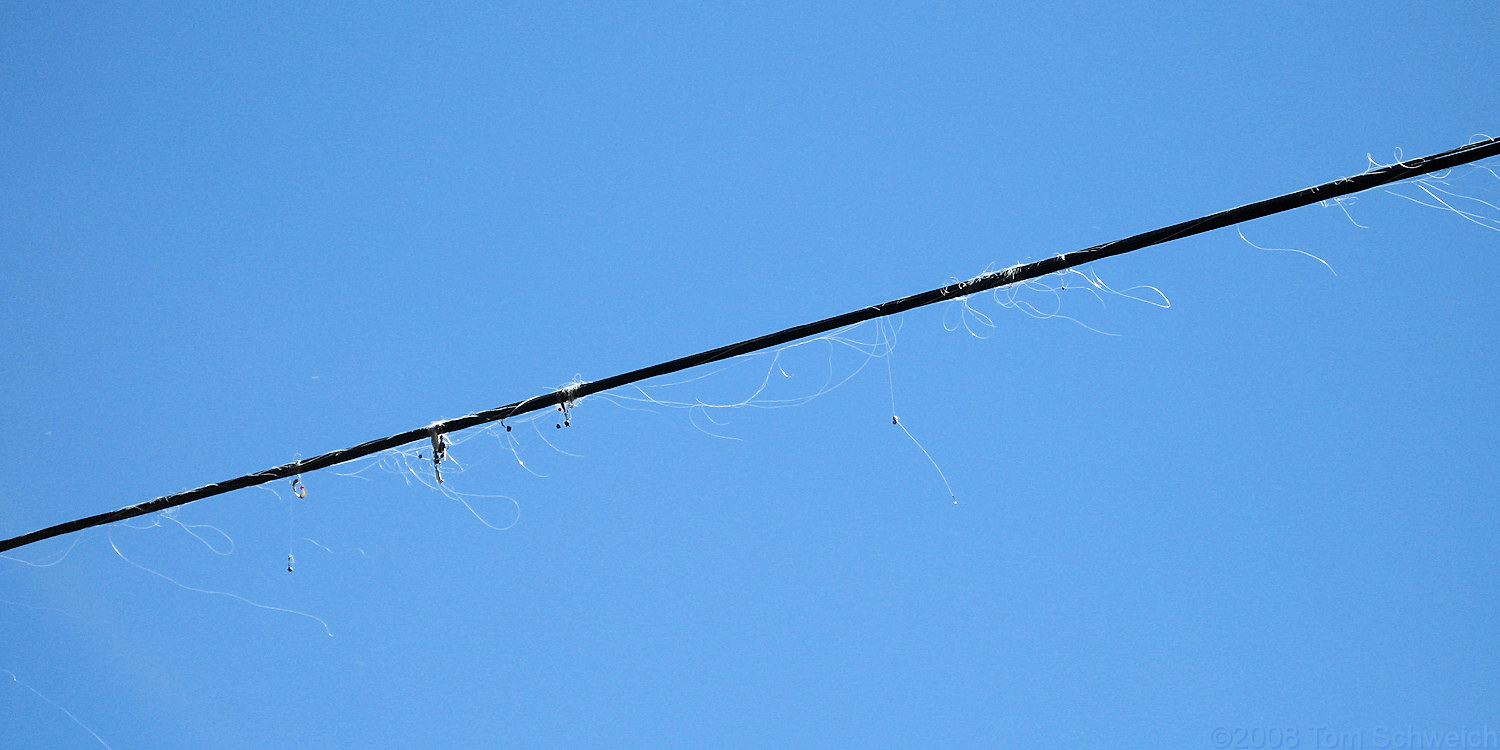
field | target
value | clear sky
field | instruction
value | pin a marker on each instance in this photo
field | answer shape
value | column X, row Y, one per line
column 236, row 234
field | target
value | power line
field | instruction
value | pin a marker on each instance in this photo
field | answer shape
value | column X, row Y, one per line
column 1327, row 191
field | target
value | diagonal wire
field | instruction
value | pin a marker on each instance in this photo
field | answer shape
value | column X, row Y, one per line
column 1327, row 191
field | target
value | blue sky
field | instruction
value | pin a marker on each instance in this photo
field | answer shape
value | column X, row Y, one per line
column 241, row 234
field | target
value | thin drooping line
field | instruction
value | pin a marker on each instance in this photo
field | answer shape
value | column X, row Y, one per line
column 59, row 707
column 195, row 589
column 1325, row 192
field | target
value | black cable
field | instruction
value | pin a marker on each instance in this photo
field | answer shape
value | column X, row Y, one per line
column 1327, row 191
